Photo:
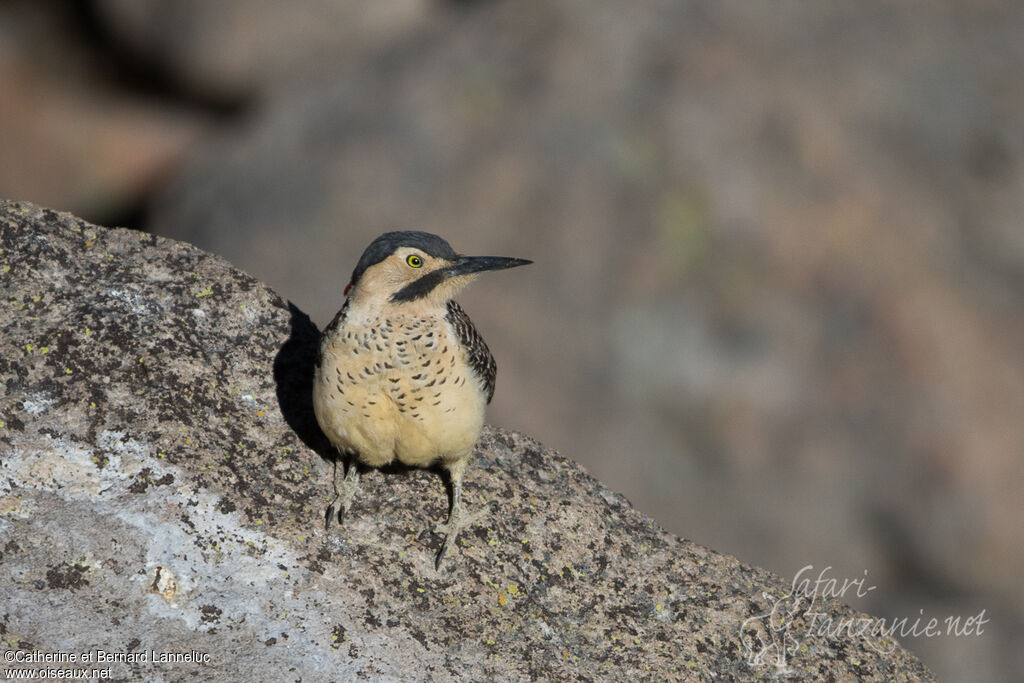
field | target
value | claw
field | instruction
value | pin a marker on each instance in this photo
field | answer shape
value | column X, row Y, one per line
column 343, row 497
column 449, row 537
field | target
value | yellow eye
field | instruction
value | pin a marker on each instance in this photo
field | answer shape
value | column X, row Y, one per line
column 414, row 261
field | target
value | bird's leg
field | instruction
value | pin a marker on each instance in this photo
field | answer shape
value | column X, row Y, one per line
column 343, row 495
column 456, row 518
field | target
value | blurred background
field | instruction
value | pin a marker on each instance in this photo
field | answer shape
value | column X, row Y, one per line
column 778, row 297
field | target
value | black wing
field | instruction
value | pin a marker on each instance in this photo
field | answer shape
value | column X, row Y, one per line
column 325, row 338
column 480, row 358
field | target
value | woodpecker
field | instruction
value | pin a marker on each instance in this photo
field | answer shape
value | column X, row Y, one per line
column 401, row 373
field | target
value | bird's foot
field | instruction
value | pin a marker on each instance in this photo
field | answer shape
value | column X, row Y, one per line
column 451, row 532
column 457, row 521
column 343, row 496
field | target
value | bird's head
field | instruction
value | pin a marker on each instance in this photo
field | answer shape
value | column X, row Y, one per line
column 412, row 266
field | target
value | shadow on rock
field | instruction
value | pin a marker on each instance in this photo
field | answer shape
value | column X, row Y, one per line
column 293, row 374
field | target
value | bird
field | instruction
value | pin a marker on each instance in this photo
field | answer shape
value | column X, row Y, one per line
column 402, row 374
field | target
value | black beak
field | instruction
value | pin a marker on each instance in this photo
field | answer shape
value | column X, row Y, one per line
column 462, row 265
column 466, row 265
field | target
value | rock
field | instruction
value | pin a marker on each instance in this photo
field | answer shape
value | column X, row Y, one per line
column 162, row 487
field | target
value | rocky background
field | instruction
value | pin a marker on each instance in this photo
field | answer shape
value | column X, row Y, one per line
column 777, row 298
